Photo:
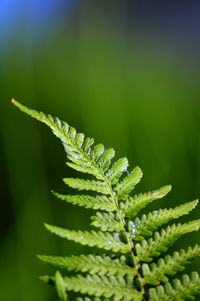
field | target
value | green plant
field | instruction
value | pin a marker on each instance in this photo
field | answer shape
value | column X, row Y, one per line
column 133, row 267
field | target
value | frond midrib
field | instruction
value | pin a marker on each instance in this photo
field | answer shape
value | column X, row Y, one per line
column 108, row 184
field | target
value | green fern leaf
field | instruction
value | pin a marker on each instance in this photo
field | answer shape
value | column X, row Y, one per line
column 97, row 152
column 81, row 184
column 94, row 264
column 98, row 202
column 60, row 286
column 153, row 220
column 134, row 204
column 116, row 170
column 87, row 145
column 103, row 240
column 82, row 167
column 161, row 241
column 117, row 288
column 109, row 287
column 77, row 153
column 124, row 187
column 179, row 291
column 107, row 222
column 169, row 265
column 126, row 273
column 79, row 139
column 105, row 159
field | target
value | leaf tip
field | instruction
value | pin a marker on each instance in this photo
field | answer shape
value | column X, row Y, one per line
column 45, row 279
column 47, row 226
column 166, row 189
column 39, row 256
column 94, row 223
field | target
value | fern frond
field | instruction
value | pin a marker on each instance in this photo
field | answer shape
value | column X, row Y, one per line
column 104, row 240
column 105, row 159
column 161, row 241
column 82, row 167
column 97, row 152
column 126, row 273
column 153, row 220
column 116, row 170
column 101, row 159
column 81, row 184
column 185, row 290
column 117, row 288
column 88, row 142
column 107, row 222
column 76, row 147
column 134, row 204
column 94, row 264
column 98, row 202
column 169, row 265
column 60, row 286
column 124, row 187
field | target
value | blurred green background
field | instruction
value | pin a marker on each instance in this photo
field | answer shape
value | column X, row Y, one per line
column 123, row 72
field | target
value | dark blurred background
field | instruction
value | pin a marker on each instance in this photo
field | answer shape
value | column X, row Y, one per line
column 123, row 72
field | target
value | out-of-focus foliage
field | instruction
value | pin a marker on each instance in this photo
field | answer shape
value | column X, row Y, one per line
column 98, row 54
